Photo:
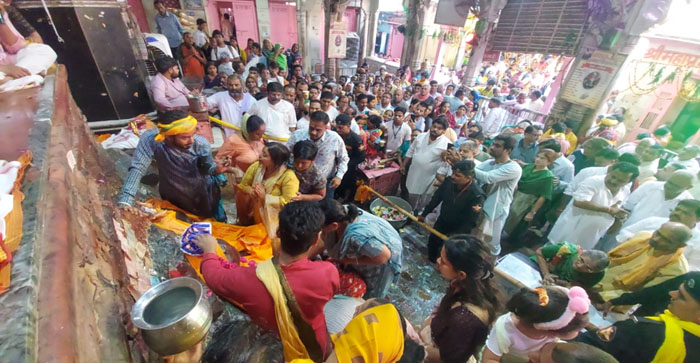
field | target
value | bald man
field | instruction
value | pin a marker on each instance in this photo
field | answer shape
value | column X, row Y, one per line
column 658, row 198
column 646, row 259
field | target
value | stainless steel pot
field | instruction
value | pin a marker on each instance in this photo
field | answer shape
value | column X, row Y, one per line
column 198, row 103
column 173, row 316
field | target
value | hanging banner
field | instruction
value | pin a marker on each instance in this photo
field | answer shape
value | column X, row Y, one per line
column 591, row 78
column 491, row 56
column 337, row 40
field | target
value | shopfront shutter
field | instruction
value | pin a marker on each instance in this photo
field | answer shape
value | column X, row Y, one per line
column 540, row 26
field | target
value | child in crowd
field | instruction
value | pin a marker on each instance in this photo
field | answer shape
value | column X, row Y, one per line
column 537, row 317
column 461, row 119
column 212, row 78
column 375, row 143
column 387, row 115
column 312, row 184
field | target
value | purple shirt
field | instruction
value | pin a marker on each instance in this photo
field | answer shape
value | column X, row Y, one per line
column 169, row 93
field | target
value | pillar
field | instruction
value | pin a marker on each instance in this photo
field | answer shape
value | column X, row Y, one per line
column 370, row 29
column 310, row 32
column 418, row 18
column 477, row 55
column 262, row 9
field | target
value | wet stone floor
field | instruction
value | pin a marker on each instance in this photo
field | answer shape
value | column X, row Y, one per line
column 417, row 292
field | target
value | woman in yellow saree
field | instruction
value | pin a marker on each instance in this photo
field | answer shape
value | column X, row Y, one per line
column 265, row 188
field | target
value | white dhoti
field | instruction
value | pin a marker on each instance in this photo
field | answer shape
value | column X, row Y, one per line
column 36, row 58
column 491, row 230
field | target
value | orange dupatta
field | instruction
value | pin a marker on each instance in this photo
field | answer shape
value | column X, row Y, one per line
column 634, row 247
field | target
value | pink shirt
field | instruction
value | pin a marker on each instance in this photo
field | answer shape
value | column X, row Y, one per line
column 169, row 93
column 8, row 51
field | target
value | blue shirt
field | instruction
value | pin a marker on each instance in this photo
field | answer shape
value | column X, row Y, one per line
column 169, row 26
column 366, row 237
column 526, row 155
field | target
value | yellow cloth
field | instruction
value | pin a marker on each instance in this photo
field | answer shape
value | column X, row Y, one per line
column 570, row 137
column 373, row 336
column 14, row 221
column 673, row 347
column 608, row 122
column 633, row 266
column 232, row 126
column 280, row 188
column 291, row 342
column 251, row 239
column 181, row 126
column 485, row 93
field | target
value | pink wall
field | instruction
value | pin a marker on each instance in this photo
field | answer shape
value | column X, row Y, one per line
column 244, row 14
column 284, row 24
column 246, row 21
column 395, row 46
column 212, row 16
column 350, row 18
column 136, row 8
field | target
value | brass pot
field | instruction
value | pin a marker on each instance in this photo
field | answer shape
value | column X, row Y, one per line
column 173, row 316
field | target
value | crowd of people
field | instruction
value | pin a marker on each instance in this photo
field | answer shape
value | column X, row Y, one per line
column 606, row 225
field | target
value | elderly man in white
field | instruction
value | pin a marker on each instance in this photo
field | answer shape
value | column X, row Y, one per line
column 687, row 212
column 232, row 103
column 657, row 198
column 424, row 157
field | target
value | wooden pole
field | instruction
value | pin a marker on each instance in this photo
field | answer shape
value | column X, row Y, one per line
column 407, row 214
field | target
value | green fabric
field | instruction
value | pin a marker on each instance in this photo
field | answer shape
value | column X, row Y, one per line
column 539, row 183
column 403, row 149
column 244, row 127
column 564, row 267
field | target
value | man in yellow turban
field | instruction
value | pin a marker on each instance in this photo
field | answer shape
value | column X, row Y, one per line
column 188, row 176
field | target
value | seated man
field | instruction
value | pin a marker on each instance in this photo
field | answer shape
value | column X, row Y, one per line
column 687, row 212
column 646, row 259
column 673, row 336
column 186, row 169
column 19, row 58
column 652, row 300
column 258, row 290
column 565, row 263
column 169, row 93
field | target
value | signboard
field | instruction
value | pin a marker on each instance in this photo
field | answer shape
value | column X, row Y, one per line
column 591, row 78
column 337, row 40
column 453, row 12
column 491, row 56
column 672, row 57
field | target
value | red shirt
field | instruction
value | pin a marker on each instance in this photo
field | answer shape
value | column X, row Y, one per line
column 313, row 284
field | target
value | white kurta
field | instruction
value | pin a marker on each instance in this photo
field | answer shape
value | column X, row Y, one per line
column 231, row 110
column 332, row 113
column 582, row 226
column 648, row 169
column 691, row 251
column 499, row 182
column 425, row 161
column 279, row 118
column 584, row 175
column 649, row 201
column 493, row 122
column 396, row 135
